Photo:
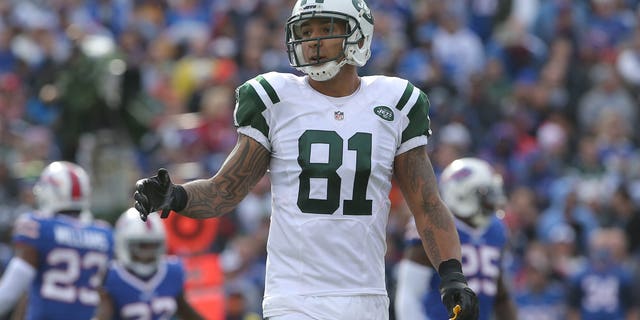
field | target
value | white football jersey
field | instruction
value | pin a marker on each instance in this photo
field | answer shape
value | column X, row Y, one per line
column 331, row 169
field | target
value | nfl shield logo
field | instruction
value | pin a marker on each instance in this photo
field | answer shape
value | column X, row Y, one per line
column 338, row 115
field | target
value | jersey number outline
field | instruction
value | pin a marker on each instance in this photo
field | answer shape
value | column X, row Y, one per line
column 158, row 308
column 59, row 283
column 481, row 266
column 361, row 143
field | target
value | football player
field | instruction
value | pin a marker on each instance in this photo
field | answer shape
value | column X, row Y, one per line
column 332, row 141
column 473, row 192
column 60, row 253
column 143, row 283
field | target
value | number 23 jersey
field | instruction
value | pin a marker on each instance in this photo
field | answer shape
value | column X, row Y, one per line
column 73, row 256
column 330, row 170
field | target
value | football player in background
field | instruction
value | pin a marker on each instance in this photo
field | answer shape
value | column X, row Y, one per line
column 332, row 141
column 143, row 283
column 61, row 255
column 473, row 192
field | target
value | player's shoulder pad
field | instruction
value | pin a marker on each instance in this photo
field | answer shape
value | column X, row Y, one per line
column 402, row 91
column 27, row 225
column 265, row 90
column 258, row 95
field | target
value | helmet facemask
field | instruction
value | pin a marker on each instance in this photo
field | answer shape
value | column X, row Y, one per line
column 140, row 245
column 490, row 198
column 145, row 255
column 356, row 40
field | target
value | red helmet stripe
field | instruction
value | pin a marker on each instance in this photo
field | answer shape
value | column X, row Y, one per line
column 76, row 189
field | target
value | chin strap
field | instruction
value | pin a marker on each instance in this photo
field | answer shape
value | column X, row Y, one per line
column 325, row 71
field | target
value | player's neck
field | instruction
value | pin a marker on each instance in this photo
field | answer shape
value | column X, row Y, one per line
column 345, row 83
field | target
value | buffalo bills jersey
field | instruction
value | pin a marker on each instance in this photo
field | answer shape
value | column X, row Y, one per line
column 482, row 252
column 602, row 294
column 330, row 170
column 73, row 256
column 549, row 304
column 152, row 299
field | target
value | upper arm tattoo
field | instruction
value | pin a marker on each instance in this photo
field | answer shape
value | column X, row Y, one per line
column 244, row 167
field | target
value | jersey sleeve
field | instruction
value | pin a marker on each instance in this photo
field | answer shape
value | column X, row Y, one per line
column 253, row 98
column 414, row 104
column 110, row 278
column 28, row 230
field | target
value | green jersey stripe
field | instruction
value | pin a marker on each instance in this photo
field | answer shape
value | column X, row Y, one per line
column 405, row 96
column 419, row 122
column 249, row 109
column 269, row 89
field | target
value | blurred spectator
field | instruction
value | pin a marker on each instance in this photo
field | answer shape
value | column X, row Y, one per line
column 457, row 49
column 607, row 93
column 521, row 217
column 609, row 25
column 628, row 62
column 604, row 288
column 565, row 257
column 565, row 207
column 539, row 296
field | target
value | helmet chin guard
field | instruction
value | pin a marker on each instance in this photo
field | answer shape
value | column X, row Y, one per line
column 323, row 72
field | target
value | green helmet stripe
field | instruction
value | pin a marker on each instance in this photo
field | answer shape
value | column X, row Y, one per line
column 408, row 91
column 249, row 109
column 419, row 122
column 269, row 89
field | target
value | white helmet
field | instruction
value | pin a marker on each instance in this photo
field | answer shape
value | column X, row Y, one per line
column 356, row 45
column 472, row 190
column 63, row 186
column 139, row 245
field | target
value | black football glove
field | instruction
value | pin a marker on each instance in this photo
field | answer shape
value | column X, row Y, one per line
column 158, row 193
column 455, row 291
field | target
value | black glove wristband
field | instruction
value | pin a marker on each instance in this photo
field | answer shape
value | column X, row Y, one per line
column 450, row 266
column 451, row 275
column 180, row 198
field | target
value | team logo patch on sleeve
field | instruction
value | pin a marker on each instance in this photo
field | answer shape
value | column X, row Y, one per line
column 384, row 112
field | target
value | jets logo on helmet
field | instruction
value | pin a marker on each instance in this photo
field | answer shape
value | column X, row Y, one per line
column 361, row 6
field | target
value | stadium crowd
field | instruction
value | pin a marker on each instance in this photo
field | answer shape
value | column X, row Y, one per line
column 547, row 91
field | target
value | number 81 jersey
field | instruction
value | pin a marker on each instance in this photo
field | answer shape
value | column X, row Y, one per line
column 330, row 170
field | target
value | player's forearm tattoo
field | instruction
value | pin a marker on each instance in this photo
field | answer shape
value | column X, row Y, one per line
column 422, row 180
column 214, row 197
